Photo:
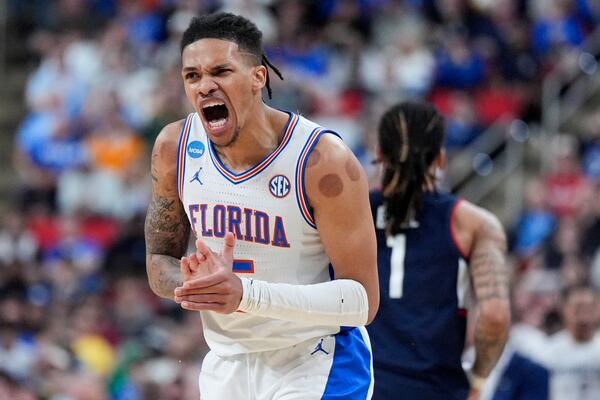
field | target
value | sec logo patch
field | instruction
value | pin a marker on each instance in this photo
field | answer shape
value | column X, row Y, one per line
column 279, row 185
column 195, row 149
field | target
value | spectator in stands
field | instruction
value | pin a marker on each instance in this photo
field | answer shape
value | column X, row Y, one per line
column 588, row 11
column 555, row 28
column 564, row 244
column 462, row 123
column 535, row 224
column 591, row 160
column 565, row 185
column 12, row 389
column 17, row 352
column 590, row 237
column 573, row 355
column 16, row 243
column 517, row 376
column 405, row 67
column 458, row 65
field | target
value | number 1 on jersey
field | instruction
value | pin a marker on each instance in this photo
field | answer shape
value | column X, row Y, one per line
column 398, row 245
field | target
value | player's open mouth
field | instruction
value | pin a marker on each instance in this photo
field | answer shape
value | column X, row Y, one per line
column 215, row 114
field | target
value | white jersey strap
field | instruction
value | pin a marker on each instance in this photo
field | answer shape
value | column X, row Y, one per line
column 183, row 139
column 301, row 197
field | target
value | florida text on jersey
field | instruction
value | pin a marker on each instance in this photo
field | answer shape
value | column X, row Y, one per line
column 267, row 209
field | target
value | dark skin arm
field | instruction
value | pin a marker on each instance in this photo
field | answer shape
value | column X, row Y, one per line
column 337, row 189
column 481, row 236
column 167, row 229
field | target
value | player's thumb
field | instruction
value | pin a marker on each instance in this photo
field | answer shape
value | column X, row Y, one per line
column 228, row 246
column 184, row 265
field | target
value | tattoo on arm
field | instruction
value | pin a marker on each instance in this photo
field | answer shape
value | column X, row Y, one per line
column 167, row 229
column 490, row 281
column 487, row 264
column 163, row 274
column 167, row 233
column 489, row 344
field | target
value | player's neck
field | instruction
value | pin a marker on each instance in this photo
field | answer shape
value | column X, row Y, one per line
column 258, row 138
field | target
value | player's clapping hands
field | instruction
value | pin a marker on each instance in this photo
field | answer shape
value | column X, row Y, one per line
column 209, row 283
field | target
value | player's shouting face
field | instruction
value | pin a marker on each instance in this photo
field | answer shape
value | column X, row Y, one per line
column 224, row 85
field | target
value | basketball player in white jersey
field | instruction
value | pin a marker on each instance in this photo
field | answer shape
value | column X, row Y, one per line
column 285, row 267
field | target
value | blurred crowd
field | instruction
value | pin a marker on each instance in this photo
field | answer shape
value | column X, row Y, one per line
column 77, row 318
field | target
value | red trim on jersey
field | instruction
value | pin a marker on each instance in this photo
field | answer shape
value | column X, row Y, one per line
column 300, row 177
column 182, row 146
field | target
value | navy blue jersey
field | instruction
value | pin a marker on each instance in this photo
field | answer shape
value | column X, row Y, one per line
column 419, row 333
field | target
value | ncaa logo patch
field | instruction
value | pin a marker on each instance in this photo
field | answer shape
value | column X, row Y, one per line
column 279, row 185
column 195, row 149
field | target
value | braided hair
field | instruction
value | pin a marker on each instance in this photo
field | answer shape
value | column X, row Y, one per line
column 411, row 136
column 235, row 28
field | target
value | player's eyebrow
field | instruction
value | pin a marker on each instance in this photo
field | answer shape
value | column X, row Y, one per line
column 213, row 68
column 220, row 66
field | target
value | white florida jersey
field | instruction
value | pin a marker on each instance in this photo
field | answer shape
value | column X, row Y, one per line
column 276, row 237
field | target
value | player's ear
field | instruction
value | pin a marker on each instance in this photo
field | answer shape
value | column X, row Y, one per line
column 259, row 77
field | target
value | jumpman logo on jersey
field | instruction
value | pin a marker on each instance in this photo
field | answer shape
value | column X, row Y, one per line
column 197, row 177
column 319, row 347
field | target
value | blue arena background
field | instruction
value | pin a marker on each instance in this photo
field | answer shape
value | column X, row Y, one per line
column 88, row 84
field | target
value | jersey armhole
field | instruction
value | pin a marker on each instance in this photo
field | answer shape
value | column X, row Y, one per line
column 458, row 246
column 183, row 138
column 301, row 197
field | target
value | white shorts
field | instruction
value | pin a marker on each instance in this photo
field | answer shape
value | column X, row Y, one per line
column 336, row 367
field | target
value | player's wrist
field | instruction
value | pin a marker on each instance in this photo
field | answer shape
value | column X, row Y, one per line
column 247, row 296
column 342, row 302
column 476, row 381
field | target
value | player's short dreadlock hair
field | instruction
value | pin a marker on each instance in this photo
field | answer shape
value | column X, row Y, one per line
column 411, row 136
column 235, row 28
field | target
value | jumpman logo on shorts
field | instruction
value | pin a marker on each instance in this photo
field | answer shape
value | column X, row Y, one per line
column 197, row 177
column 319, row 347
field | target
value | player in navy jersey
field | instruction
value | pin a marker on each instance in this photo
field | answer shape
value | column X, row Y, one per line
column 430, row 247
column 275, row 203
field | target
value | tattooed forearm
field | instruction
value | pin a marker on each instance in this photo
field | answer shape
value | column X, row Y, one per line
column 489, row 343
column 163, row 274
column 167, row 233
column 490, row 280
